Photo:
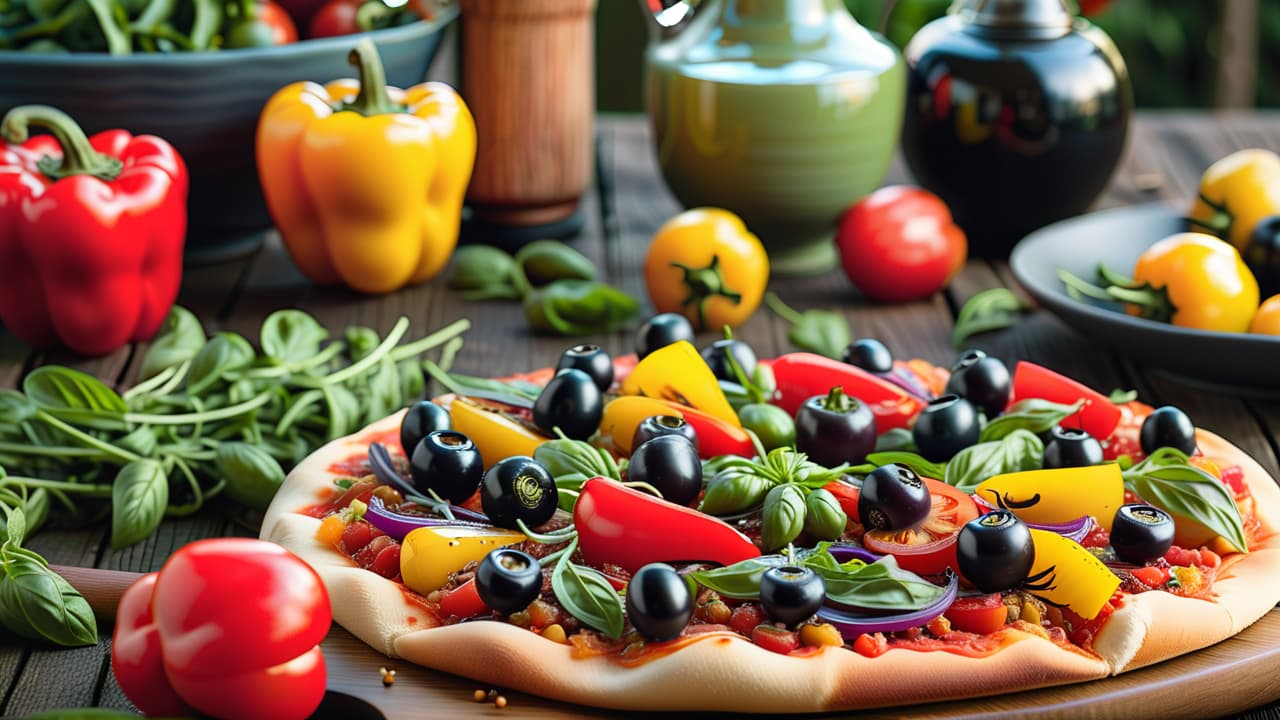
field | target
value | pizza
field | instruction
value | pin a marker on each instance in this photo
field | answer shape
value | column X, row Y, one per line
column 1087, row 601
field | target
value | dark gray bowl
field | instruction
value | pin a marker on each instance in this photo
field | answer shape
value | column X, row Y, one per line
column 207, row 105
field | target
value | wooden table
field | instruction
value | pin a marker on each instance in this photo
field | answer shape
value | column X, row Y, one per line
column 1164, row 160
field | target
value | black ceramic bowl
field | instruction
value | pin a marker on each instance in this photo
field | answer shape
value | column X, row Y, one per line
column 207, row 105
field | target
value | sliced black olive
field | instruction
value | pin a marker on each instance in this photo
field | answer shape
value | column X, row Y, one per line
column 659, row 603
column 671, row 465
column 791, row 594
column 421, row 418
column 893, row 497
column 659, row 425
column 995, row 551
column 718, row 353
column 1167, row 426
column 982, row 380
column 835, row 429
column 947, row 425
column 1141, row 533
column 518, row 488
column 1071, row 447
column 569, row 401
column 508, row 580
column 662, row 330
column 592, row 360
column 448, row 463
column 869, row 354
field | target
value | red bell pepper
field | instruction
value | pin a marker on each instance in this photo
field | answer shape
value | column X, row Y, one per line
column 91, row 232
column 800, row 376
column 632, row 529
column 1099, row 416
column 238, row 623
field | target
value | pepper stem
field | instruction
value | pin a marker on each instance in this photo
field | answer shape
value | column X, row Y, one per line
column 703, row 284
column 837, row 402
column 1217, row 224
column 372, row 98
column 78, row 156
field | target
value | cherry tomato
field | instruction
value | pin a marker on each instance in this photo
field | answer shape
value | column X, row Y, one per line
column 982, row 614
column 301, row 10
column 1267, row 320
column 899, row 243
column 283, row 31
column 930, row 547
column 336, row 17
column 268, row 25
column 705, row 264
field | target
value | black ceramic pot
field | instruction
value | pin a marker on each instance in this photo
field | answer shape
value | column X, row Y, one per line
column 1017, row 115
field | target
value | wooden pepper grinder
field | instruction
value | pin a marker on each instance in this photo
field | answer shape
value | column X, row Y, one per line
column 528, row 77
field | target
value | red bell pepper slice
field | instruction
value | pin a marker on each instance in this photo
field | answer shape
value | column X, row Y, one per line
column 1098, row 417
column 632, row 529
column 99, row 264
column 800, row 376
column 715, row 436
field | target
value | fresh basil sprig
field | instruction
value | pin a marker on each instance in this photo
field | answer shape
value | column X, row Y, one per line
column 36, row 602
column 1035, row 415
column 587, row 595
column 1019, row 450
column 572, row 463
column 820, row 331
column 1167, row 480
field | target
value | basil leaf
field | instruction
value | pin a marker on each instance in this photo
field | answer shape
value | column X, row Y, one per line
column 361, row 341
column 290, row 336
column 16, row 533
column 740, row 580
column 223, row 353
column 820, row 331
column 880, row 585
column 1120, row 397
column 413, row 382
column 343, row 411
column 142, row 441
column 545, row 261
column 1035, row 415
column 921, row 466
column 37, row 603
column 180, row 338
column 572, row 457
column 35, row 510
column 253, row 476
column 993, row 309
column 587, row 595
column 1017, row 451
column 1189, row 494
column 579, row 307
column 824, row 518
column 75, row 396
column 784, row 511
column 732, row 491
column 382, row 390
column 895, row 440
column 481, row 267
column 139, row 497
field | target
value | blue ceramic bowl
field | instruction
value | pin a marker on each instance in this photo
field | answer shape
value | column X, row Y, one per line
column 207, row 104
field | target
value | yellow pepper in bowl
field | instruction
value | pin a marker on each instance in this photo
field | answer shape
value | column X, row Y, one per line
column 364, row 181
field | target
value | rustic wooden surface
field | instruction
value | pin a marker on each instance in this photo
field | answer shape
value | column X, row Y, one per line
column 1165, row 157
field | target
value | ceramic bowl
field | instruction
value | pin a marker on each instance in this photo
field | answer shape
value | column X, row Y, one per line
column 207, row 105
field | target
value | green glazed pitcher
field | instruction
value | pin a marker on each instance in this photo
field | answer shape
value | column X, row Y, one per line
column 784, row 112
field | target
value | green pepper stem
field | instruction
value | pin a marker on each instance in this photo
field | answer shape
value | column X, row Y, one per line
column 78, row 156
column 703, row 284
column 837, row 402
column 372, row 98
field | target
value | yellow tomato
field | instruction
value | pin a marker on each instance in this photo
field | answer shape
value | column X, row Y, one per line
column 1236, row 192
column 705, row 264
column 1206, row 283
column 1267, row 320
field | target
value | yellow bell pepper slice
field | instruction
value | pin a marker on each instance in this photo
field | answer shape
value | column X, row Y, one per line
column 679, row 374
column 624, row 414
column 1068, row 575
column 1058, row 495
column 495, row 435
column 429, row 554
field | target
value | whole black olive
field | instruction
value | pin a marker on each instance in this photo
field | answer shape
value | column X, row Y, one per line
column 718, row 354
column 835, row 429
column 448, row 463
column 569, row 401
column 1141, row 533
column 508, row 580
column 893, row 497
column 659, row 603
column 518, row 488
column 947, row 425
column 592, row 360
column 662, row 330
column 869, row 354
column 995, row 551
column 1071, row 447
column 670, row 464
column 791, row 594
column 1167, row 426
column 1262, row 255
column 658, row 425
column 982, row 380
column 421, row 418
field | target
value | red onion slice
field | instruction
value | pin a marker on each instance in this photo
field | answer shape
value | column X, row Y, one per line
column 1077, row 529
column 397, row 525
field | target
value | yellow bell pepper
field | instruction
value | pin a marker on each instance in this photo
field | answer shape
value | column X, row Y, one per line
column 1066, row 574
column 495, row 435
column 429, row 554
column 1058, row 495
column 365, row 182
column 678, row 373
column 624, row 414
column 1235, row 193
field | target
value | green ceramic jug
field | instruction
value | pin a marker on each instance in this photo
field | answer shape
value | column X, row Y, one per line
column 785, row 112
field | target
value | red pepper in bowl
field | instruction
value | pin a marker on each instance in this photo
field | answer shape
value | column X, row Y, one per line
column 91, row 232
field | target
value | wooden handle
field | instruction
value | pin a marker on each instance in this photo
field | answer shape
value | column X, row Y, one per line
column 102, row 588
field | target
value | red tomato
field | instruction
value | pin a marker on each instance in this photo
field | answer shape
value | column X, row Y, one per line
column 337, row 17
column 746, row 617
column 283, row 31
column 1098, row 417
column 775, row 639
column 136, row 657
column 1093, row 7
column 300, row 10
column 899, row 243
column 982, row 614
column 930, row 547
column 463, row 601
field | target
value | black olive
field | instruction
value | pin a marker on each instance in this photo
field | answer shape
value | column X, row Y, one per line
column 947, row 425
column 659, row 602
column 718, row 353
column 982, row 380
column 569, row 401
column 518, row 488
column 893, row 497
column 421, row 418
column 447, row 462
column 1071, row 447
column 1262, row 255
column 835, row 429
column 592, row 360
column 791, row 594
column 659, row 425
column 1141, row 533
column 669, row 463
column 662, row 330
column 508, row 580
column 995, row 551
column 1167, row 426
column 869, row 354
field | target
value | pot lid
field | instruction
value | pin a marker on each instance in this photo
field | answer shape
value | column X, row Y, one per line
column 1016, row 18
